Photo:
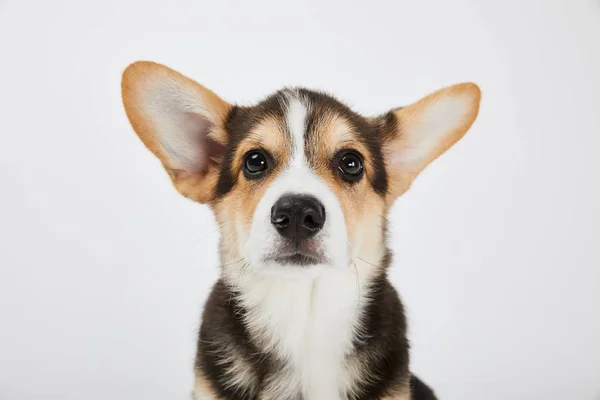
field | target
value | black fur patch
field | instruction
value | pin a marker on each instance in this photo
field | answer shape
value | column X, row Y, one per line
column 381, row 348
column 223, row 337
column 419, row 390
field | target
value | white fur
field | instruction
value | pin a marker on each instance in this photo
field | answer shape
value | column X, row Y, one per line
column 305, row 315
column 296, row 122
column 307, row 321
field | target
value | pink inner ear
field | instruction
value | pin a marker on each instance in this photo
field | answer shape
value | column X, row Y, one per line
column 197, row 133
column 188, row 144
column 208, row 151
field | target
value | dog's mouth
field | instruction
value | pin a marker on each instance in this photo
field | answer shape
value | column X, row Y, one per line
column 299, row 254
column 296, row 259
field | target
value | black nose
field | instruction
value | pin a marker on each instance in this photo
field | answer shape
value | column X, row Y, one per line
column 298, row 217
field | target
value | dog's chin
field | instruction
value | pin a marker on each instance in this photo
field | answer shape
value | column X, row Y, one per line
column 290, row 268
column 297, row 260
column 305, row 253
column 293, row 260
column 306, row 258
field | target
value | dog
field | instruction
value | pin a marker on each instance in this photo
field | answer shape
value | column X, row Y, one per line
column 300, row 186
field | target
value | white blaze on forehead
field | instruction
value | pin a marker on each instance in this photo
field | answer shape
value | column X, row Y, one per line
column 296, row 122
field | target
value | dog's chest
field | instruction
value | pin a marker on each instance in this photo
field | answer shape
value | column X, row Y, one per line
column 309, row 324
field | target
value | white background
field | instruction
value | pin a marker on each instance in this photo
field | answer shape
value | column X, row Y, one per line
column 104, row 267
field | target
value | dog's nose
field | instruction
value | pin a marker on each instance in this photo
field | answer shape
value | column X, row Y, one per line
column 298, row 217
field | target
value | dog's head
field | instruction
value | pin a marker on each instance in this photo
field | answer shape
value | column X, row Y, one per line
column 299, row 181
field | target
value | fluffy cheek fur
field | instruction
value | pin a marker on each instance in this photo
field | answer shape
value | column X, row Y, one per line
column 234, row 214
column 364, row 217
column 362, row 207
column 367, row 230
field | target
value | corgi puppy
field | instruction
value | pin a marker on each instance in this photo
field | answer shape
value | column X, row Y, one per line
column 300, row 186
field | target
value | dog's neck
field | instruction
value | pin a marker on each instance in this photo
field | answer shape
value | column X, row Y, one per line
column 309, row 317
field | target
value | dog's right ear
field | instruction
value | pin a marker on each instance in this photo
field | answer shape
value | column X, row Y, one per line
column 181, row 122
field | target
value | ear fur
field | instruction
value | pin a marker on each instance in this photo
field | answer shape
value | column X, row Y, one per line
column 180, row 121
column 424, row 130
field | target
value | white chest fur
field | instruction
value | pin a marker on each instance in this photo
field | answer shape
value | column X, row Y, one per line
column 309, row 322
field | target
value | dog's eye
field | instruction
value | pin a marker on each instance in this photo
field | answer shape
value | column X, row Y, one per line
column 351, row 166
column 255, row 164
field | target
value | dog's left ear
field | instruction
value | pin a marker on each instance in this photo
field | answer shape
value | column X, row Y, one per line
column 416, row 135
column 181, row 122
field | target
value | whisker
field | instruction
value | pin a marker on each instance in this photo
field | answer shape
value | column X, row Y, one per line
column 358, row 293
column 217, row 267
column 357, row 276
column 371, row 264
column 209, row 233
column 237, row 280
column 240, row 273
column 231, row 263
column 198, row 237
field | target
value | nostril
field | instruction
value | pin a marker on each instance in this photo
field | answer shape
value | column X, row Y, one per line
column 314, row 217
column 281, row 220
column 280, row 216
column 312, row 221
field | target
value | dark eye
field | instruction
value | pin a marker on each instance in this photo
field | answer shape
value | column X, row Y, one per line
column 351, row 166
column 255, row 164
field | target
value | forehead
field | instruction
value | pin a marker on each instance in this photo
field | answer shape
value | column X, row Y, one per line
column 294, row 124
column 297, row 112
